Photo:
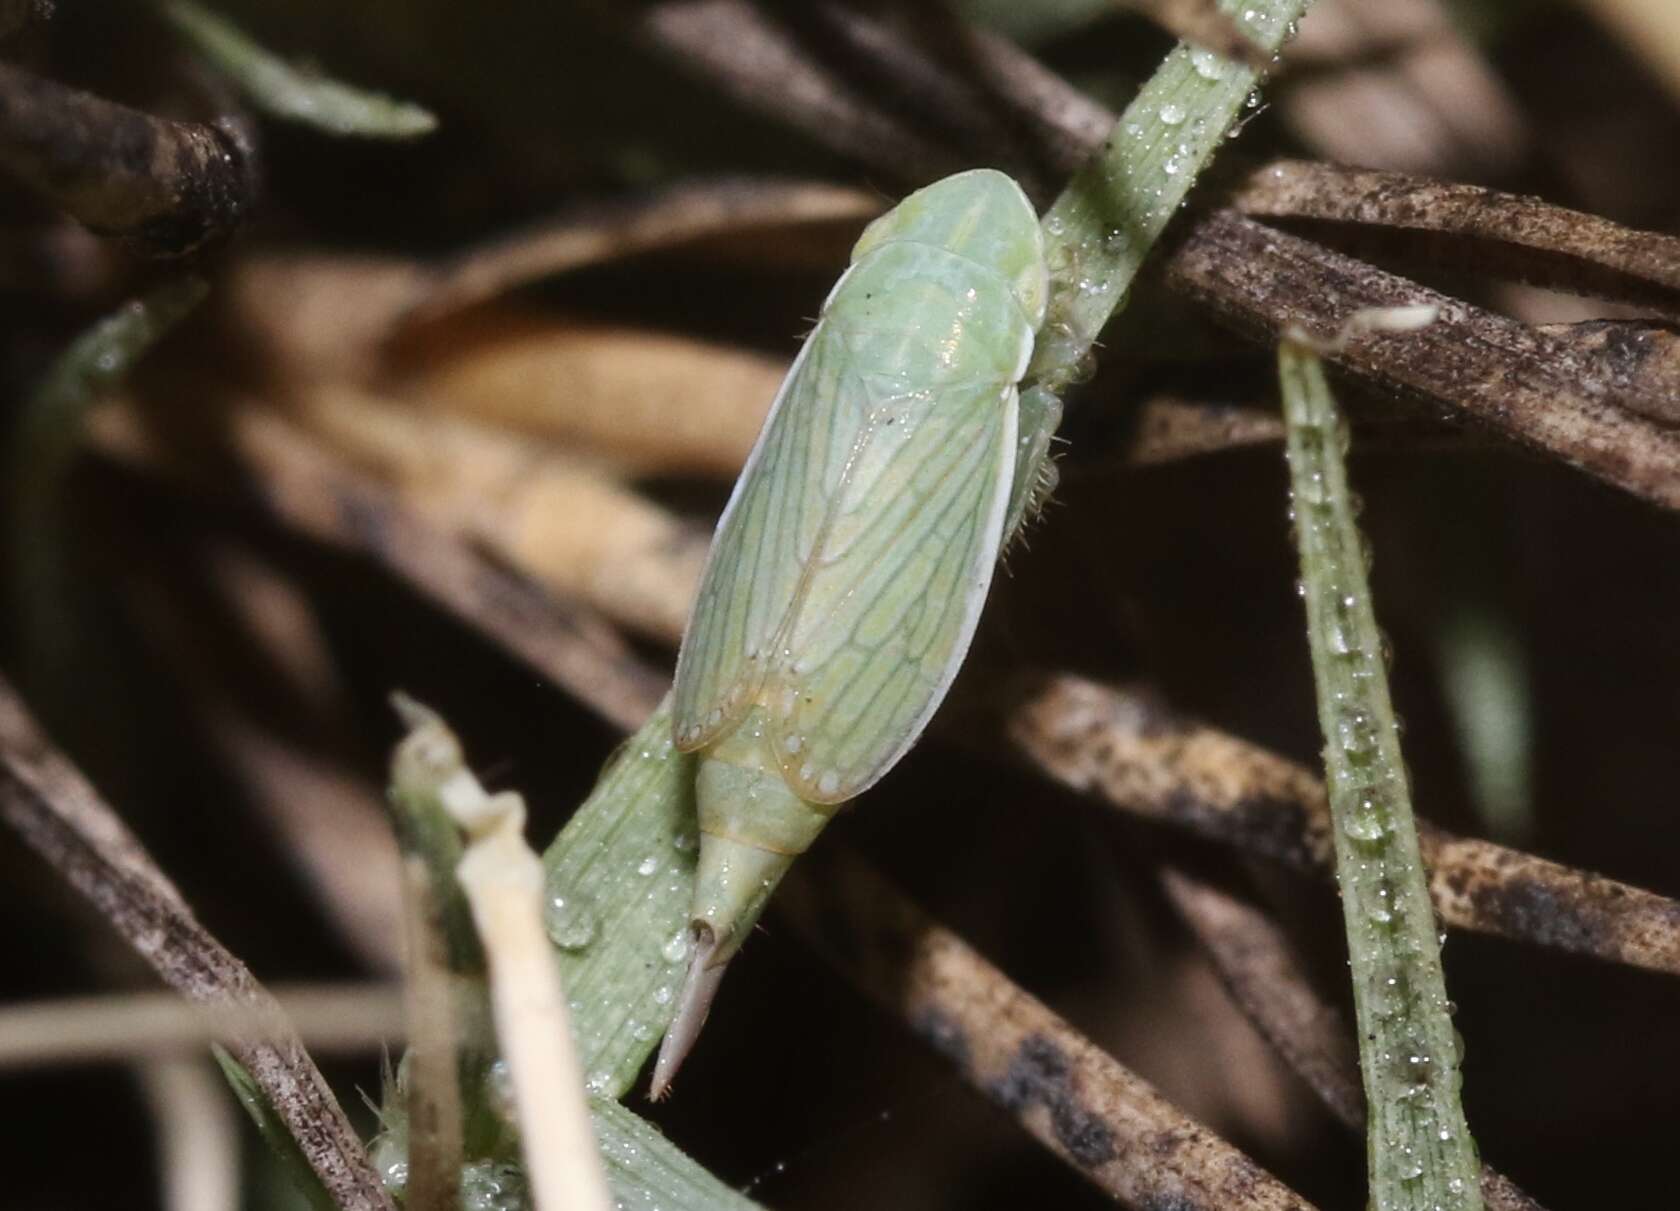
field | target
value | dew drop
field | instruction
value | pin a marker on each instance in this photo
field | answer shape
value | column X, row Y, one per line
column 647, row 866
column 675, row 949
column 569, row 917
column 1362, row 825
column 1206, row 63
column 1172, row 114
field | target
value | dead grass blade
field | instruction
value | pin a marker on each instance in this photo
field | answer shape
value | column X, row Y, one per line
column 307, row 489
column 1136, row 754
column 1103, row 1119
column 1531, row 387
column 568, row 525
column 645, row 402
column 166, row 187
column 61, row 817
column 1476, row 230
column 600, row 232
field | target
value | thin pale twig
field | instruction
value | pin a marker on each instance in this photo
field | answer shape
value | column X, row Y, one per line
column 1087, row 1108
column 197, row 1134
column 503, row 882
column 54, row 809
column 1135, row 753
column 332, row 1019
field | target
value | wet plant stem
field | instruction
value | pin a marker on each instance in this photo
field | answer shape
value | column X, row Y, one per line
column 1420, row 1154
column 1102, row 226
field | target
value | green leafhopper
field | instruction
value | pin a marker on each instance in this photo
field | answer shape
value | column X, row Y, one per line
column 850, row 566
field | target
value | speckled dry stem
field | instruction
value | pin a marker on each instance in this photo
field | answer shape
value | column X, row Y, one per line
column 1131, row 750
column 1090, row 1110
column 63, row 819
column 1314, row 1038
column 167, row 187
column 1525, row 384
column 1476, row 229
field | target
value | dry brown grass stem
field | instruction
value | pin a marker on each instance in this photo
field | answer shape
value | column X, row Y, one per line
column 165, row 187
column 1134, row 753
column 1475, row 230
column 1561, row 398
column 306, row 488
column 59, row 815
column 1104, row 1120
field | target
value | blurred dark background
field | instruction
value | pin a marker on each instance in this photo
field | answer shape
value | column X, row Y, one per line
column 1179, row 575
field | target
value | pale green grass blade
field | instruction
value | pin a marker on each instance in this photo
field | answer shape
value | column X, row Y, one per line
column 1484, row 678
column 1421, row 1156
column 50, row 426
column 649, row 1173
column 294, row 93
column 621, row 888
column 42, row 578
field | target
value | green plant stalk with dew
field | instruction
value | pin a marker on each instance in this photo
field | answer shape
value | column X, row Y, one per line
column 1420, row 1154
